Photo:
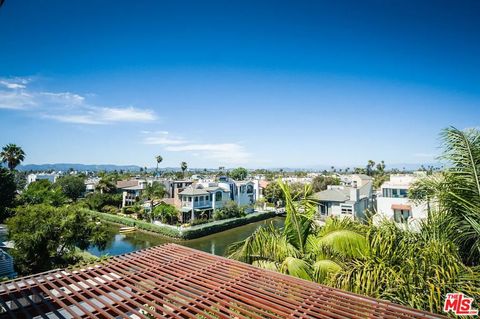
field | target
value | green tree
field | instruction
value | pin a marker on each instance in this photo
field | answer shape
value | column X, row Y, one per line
column 230, row 210
column 7, row 192
column 72, row 186
column 98, row 201
column 43, row 192
column 13, row 155
column 153, row 191
column 105, row 186
column 273, row 193
column 166, row 213
column 320, row 183
column 370, row 167
column 239, row 174
column 158, row 159
column 47, row 237
column 183, row 167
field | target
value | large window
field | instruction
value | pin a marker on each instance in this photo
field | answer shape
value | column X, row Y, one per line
column 218, row 196
column 395, row 192
column 249, row 189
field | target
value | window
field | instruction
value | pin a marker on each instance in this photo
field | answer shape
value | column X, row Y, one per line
column 249, row 189
column 346, row 210
column 218, row 196
column 401, row 216
column 403, row 193
column 196, row 199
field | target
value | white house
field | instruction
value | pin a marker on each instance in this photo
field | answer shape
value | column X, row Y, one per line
column 200, row 200
column 52, row 178
column 344, row 201
column 393, row 202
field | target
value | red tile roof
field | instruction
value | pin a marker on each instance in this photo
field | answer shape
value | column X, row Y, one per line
column 172, row 281
column 401, row 207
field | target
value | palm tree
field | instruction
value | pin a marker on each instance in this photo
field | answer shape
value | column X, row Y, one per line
column 105, row 186
column 299, row 248
column 12, row 155
column 183, row 167
column 456, row 190
column 159, row 159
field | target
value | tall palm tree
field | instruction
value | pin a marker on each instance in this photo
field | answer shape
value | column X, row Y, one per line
column 159, row 159
column 12, row 155
column 299, row 248
column 183, row 167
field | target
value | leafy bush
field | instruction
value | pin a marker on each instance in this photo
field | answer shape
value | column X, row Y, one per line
column 230, row 210
column 96, row 201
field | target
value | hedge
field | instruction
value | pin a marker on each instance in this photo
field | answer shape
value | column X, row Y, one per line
column 188, row 233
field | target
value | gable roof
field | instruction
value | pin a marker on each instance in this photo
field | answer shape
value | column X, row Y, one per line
column 333, row 195
column 173, row 281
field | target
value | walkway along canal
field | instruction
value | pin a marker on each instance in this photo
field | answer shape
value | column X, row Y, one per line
column 215, row 244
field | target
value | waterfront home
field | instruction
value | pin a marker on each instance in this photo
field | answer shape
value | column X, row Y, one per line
column 131, row 190
column 200, row 200
column 393, row 202
column 344, row 201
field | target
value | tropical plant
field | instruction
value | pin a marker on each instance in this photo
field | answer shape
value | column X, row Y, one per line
column 456, row 190
column 105, row 186
column 183, row 167
column 13, row 155
column 301, row 248
column 166, row 213
column 320, row 183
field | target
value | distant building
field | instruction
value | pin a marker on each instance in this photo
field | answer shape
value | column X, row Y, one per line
column 52, row 178
column 345, row 201
column 131, row 190
column 393, row 202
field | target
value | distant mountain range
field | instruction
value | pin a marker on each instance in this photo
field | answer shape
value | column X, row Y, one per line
column 77, row 167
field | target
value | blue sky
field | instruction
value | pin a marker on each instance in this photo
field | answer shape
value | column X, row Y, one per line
column 230, row 83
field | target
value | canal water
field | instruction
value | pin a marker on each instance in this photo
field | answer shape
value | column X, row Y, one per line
column 215, row 244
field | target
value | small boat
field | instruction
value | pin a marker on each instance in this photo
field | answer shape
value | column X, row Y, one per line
column 127, row 229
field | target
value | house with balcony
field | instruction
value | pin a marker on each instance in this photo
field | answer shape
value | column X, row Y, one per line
column 393, row 202
column 200, row 200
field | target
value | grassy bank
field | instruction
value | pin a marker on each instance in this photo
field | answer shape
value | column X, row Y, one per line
column 185, row 233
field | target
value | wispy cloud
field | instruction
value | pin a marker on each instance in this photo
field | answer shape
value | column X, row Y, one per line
column 162, row 138
column 225, row 153
column 66, row 107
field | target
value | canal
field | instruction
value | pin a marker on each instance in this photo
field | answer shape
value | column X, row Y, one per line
column 215, row 244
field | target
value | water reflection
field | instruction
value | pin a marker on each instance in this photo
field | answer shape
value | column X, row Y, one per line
column 215, row 244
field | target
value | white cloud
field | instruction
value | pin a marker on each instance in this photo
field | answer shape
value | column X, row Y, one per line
column 162, row 138
column 128, row 114
column 66, row 107
column 16, row 100
column 12, row 85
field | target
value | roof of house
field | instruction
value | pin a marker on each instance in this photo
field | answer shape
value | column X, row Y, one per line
column 364, row 176
column 127, row 183
column 193, row 191
column 333, row 195
column 173, row 281
column 342, row 194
